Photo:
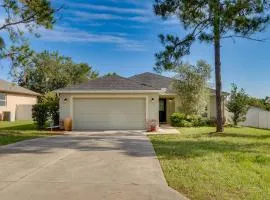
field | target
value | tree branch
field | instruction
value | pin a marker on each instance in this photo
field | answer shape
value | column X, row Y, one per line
column 193, row 33
column 29, row 19
column 244, row 37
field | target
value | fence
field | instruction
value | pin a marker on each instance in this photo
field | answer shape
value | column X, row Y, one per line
column 24, row 112
column 258, row 118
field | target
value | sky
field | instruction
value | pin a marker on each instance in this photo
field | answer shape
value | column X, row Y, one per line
column 122, row 36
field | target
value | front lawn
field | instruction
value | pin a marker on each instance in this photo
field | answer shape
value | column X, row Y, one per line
column 203, row 165
column 11, row 132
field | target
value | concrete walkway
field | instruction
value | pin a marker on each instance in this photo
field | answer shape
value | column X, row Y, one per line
column 83, row 166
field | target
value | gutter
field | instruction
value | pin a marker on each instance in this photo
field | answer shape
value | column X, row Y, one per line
column 105, row 91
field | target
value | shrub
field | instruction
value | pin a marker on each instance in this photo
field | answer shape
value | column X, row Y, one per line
column 52, row 101
column 182, row 120
column 177, row 118
column 40, row 115
column 205, row 121
column 186, row 123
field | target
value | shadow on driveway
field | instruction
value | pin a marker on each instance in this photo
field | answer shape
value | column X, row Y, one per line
column 131, row 144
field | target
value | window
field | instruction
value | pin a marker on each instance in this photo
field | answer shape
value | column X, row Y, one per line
column 3, row 99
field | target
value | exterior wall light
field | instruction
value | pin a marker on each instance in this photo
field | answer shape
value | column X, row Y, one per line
column 153, row 100
column 65, row 100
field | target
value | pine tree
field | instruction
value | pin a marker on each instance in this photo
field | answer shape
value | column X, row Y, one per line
column 209, row 21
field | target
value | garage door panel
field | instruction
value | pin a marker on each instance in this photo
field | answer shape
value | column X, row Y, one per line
column 111, row 119
column 109, row 114
column 109, row 106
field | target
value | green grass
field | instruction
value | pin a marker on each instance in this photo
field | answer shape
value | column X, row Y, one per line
column 205, row 165
column 11, row 132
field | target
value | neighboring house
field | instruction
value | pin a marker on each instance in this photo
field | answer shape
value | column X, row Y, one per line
column 116, row 102
column 16, row 101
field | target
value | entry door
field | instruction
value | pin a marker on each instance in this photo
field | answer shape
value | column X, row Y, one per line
column 162, row 110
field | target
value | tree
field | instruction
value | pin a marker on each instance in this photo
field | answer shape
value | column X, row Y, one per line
column 22, row 16
column 47, row 71
column 111, row 74
column 260, row 103
column 238, row 104
column 191, row 84
column 209, row 21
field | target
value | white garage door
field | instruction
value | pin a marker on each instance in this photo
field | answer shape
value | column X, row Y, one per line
column 109, row 114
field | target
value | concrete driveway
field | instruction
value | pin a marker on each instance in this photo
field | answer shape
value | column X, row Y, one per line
column 83, row 166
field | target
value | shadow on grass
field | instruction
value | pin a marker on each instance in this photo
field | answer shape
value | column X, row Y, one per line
column 240, row 135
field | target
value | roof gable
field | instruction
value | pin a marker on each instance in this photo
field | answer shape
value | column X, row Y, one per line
column 8, row 87
column 113, row 82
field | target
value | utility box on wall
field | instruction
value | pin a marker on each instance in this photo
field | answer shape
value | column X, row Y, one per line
column 6, row 116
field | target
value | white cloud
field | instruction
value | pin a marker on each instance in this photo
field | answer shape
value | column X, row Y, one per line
column 114, row 9
column 85, row 16
column 145, row 3
column 62, row 34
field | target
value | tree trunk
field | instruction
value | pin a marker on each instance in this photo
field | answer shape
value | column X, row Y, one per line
column 218, row 68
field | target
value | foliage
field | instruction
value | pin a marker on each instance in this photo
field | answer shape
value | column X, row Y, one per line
column 259, row 103
column 50, row 71
column 209, row 21
column 191, row 85
column 177, row 118
column 238, row 104
column 182, row 120
column 111, row 74
column 236, row 19
column 40, row 115
column 20, row 17
column 201, row 164
column 51, row 100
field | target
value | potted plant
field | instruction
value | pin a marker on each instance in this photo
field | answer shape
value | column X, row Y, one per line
column 152, row 125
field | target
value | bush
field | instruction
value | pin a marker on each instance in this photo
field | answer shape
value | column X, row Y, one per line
column 205, row 122
column 182, row 120
column 52, row 101
column 40, row 115
column 177, row 118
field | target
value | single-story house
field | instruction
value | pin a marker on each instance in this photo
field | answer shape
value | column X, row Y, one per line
column 116, row 102
column 16, row 102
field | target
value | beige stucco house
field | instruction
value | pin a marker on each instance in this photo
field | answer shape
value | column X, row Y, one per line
column 116, row 102
column 16, row 102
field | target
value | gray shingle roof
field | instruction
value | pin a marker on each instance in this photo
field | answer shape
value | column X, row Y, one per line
column 159, row 81
column 13, row 88
column 109, row 83
column 154, row 80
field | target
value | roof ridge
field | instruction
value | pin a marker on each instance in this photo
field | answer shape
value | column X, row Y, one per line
column 128, row 79
column 156, row 74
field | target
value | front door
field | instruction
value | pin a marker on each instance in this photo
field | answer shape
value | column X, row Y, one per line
column 162, row 110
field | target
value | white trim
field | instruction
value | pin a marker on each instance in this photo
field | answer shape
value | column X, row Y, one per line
column 105, row 91
column 71, row 109
column 147, row 109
